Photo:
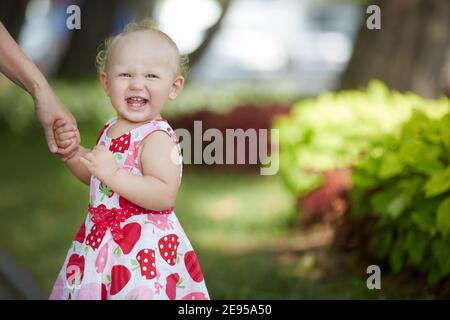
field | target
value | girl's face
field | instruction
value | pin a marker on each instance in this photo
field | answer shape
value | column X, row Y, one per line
column 140, row 76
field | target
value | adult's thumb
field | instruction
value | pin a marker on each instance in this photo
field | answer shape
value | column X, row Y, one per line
column 51, row 142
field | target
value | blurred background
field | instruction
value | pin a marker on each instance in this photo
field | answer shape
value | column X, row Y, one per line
column 364, row 126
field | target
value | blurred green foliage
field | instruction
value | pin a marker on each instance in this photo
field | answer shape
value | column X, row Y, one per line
column 223, row 212
column 405, row 184
column 400, row 147
column 335, row 130
column 42, row 206
column 88, row 103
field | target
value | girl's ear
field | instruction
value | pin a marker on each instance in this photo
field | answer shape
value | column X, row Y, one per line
column 177, row 86
column 104, row 82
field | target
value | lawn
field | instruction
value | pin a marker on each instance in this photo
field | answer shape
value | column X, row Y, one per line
column 238, row 222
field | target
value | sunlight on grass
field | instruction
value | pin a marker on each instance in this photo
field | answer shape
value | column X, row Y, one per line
column 42, row 207
column 215, row 207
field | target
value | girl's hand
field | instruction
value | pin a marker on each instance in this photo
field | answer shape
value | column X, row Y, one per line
column 101, row 163
column 67, row 137
column 48, row 110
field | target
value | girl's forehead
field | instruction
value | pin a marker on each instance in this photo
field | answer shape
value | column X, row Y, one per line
column 142, row 47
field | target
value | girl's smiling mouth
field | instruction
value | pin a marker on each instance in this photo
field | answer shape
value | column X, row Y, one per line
column 136, row 102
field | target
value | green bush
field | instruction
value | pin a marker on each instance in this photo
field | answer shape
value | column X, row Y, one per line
column 335, row 130
column 85, row 99
column 88, row 103
column 404, row 183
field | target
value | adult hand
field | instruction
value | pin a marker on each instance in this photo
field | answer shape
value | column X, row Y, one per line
column 48, row 110
column 15, row 65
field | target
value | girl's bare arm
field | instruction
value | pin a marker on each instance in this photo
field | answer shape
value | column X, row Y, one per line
column 158, row 186
column 78, row 169
column 65, row 137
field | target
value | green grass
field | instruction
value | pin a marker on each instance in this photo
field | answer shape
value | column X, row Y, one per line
column 42, row 207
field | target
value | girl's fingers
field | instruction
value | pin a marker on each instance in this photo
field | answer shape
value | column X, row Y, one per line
column 74, row 146
column 65, row 136
column 64, row 147
column 69, row 151
column 59, row 123
column 64, row 144
column 65, row 128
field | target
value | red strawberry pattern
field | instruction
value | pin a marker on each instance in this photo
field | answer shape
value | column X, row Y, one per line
column 173, row 282
column 124, row 203
column 131, row 235
column 95, row 236
column 161, row 221
column 81, row 234
column 195, row 296
column 124, row 251
column 120, row 144
column 146, row 260
column 102, row 259
column 120, row 276
column 75, row 270
column 105, row 190
column 131, row 159
column 168, row 246
column 104, row 293
column 192, row 266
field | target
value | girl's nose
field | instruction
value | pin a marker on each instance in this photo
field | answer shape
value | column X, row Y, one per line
column 136, row 84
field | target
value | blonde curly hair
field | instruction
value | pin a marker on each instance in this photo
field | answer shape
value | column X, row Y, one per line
column 101, row 59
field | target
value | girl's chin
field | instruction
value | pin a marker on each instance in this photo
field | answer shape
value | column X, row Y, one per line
column 137, row 107
column 131, row 110
column 135, row 117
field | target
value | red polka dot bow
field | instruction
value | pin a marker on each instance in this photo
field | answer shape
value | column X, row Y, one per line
column 105, row 219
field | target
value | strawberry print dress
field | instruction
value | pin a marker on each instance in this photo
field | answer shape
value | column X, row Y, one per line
column 123, row 251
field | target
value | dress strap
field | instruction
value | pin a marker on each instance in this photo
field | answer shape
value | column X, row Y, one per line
column 106, row 126
column 161, row 125
column 158, row 125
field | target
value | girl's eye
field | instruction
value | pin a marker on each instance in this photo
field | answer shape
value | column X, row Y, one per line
column 126, row 75
column 150, row 75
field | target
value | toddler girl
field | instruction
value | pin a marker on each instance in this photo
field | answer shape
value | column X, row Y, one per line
column 131, row 244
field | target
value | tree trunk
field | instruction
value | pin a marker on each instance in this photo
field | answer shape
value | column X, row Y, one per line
column 195, row 56
column 142, row 8
column 97, row 22
column 409, row 51
column 12, row 15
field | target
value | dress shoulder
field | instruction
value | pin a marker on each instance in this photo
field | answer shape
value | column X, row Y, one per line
column 105, row 126
column 158, row 125
column 162, row 125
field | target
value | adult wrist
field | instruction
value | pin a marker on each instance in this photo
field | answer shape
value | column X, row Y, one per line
column 39, row 89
